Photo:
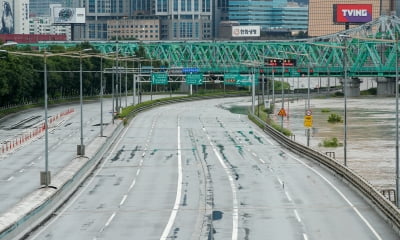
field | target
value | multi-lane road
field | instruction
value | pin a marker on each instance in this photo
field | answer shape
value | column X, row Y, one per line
column 198, row 171
column 22, row 144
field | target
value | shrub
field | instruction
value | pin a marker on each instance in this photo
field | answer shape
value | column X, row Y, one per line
column 338, row 94
column 325, row 110
column 371, row 91
column 335, row 118
column 333, row 142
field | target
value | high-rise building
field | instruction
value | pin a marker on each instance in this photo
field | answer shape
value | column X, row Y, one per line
column 179, row 19
column 185, row 19
column 14, row 17
column 331, row 16
column 98, row 12
column 38, row 8
column 138, row 29
column 269, row 15
column 44, row 25
column 22, row 16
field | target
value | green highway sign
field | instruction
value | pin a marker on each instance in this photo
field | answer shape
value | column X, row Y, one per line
column 247, row 80
column 159, row 78
column 194, row 79
column 231, row 78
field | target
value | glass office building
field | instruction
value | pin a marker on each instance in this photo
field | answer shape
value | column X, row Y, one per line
column 269, row 15
column 40, row 8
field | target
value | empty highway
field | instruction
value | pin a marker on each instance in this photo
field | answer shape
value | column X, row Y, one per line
column 22, row 144
column 198, row 171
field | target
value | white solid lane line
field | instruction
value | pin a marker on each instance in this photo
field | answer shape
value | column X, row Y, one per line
column 178, row 191
column 305, row 236
column 123, row 200
column 288, row 196
column 132, row 184
column 297, row 215
column 110, row 219
column 340, row 194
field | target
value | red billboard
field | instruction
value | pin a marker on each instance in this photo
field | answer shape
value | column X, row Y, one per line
column 31, row 38
column 352, row 13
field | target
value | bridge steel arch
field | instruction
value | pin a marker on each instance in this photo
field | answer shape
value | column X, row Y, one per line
column 368, row 50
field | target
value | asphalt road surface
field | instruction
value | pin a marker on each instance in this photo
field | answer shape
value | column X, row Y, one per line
column 22, row 151
column 197, row 170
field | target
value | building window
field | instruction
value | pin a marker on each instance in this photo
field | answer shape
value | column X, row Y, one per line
column 92, row 31
column 183, row 5
column 175, row 30
column 196, row 30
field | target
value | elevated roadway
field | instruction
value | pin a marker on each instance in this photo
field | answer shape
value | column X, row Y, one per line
column 22, row 144
column 198, row 171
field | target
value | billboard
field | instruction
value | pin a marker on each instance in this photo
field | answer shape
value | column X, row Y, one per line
column 7, row 17
column 68, row 15
column 245, row 31
column 352, row 13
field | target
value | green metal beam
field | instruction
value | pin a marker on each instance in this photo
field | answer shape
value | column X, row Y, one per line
column 371, row 50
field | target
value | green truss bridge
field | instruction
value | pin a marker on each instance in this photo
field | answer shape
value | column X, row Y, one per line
column 369, row 50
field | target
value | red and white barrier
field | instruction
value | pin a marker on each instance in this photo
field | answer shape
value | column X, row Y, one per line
column 33, row 133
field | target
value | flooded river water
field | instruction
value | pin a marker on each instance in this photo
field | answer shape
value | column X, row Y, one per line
column 371, row 135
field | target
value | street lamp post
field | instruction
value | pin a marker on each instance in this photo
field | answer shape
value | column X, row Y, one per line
column 282, row 91
column 344, row 50
column 397, row 127
column 308, row 103
column 81, row 147
column 253, row 90
column 135, row 76
column 126, row 83
column 101, row 96
column 396, row 49
column 273, row 90
column 46, row 175
column 112, row 93
column 251, row 66
column 345, row 98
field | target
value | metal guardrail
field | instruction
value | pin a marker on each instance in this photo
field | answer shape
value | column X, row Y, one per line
column 386, row 207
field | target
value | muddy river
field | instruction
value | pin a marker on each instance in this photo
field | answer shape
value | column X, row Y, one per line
column 371, row 136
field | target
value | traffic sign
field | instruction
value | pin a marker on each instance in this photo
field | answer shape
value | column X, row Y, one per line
column 190, row 70
column 244, row 81
column 159, row 78
column 194, row 79
column 146, row 69
column 282, row 113
column 247, row 80
column 231, row 78
column 308, row 121
column 308, row 112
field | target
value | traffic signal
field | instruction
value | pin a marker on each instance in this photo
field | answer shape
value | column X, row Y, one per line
column 279, row 62
column 289, row 62
column 273, row 62
column 304, row 71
